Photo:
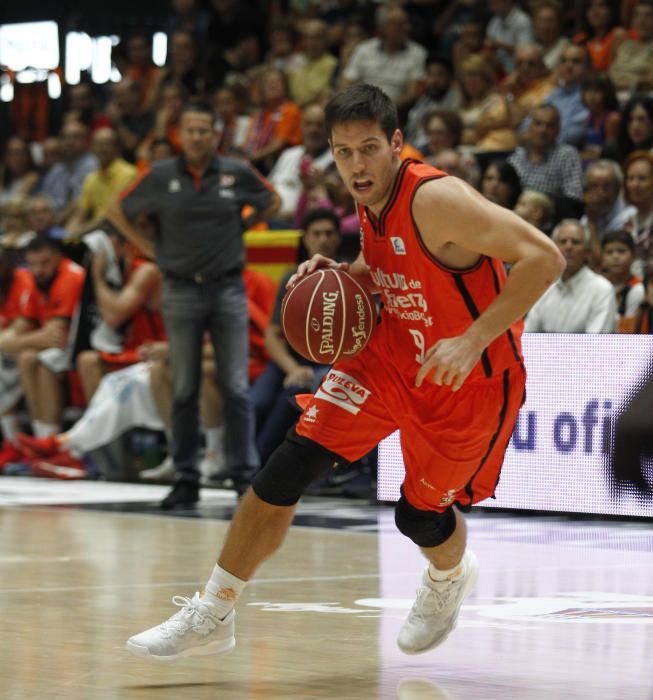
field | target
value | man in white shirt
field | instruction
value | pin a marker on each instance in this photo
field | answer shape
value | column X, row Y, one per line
column 509, row 27
column 391, row 61
column 300, row 166
column 581, row 301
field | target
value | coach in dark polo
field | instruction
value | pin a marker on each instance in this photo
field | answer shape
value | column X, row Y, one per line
column 196, row 202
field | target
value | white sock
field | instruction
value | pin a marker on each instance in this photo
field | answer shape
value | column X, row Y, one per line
column 43, row 429
column 214, row 439
column 9, row 425
column 223, row 589
column 445, row 574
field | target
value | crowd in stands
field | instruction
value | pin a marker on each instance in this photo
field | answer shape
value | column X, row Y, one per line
column 545, row 107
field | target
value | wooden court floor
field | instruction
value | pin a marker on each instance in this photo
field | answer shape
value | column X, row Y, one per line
column 562, row 609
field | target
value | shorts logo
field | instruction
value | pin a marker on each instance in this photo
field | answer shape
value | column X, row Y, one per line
column 174, row 186
column 344, row 391
column 311, row 414
column 398, row 245
column 448, row 498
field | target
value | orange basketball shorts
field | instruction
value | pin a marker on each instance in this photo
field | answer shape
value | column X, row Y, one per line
column 453, row 443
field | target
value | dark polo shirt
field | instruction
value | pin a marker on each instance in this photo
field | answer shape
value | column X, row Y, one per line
column 199, row 229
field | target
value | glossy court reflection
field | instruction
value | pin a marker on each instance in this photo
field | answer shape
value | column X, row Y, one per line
column 562, row 609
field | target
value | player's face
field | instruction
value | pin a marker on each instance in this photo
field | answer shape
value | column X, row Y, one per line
column 367, row 163
column 43, row 265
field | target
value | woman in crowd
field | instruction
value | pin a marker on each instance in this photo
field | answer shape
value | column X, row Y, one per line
column 638, row 191
column 501, row 184
column 600, row 34
column 443, row 129
column 636, row 127
column 600, row 98
column 18, row 173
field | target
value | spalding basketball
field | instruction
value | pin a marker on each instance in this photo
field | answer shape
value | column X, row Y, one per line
column 328, row 316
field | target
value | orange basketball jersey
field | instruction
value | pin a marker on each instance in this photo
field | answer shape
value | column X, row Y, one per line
column 423, row 300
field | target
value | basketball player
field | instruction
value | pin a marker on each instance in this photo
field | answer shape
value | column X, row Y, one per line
column 444, row 366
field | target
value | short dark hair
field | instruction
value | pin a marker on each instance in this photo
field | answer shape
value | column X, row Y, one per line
column 362, row 102
column 319, row 214
column 41, row 241
column 450, row 119
column 200, row 106
column 619, row 236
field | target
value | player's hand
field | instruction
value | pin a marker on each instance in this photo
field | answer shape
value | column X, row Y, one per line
column 450, row 361
column 317, row 262
column 301, row 376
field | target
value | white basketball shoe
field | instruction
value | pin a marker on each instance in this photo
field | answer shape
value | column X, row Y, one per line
column 435, row 610
column 192, row 631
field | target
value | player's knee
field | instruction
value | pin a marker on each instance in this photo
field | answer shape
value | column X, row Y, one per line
column 87, row 361
column 27, row 360
column 426, row 528
column 291, row 468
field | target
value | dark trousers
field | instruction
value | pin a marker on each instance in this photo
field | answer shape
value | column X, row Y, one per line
column 189, row 310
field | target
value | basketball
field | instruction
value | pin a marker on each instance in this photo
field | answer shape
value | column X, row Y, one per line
column 328, row 316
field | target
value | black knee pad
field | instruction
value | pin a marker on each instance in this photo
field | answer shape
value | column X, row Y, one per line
column 426, row 528
column 296, row 463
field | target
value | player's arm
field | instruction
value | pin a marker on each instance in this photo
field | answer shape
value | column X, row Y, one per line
column 118, row 306
column 474, row 226
column 22, row 336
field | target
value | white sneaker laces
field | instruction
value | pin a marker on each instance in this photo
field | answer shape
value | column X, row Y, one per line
column 189, row 617
column 432, row 599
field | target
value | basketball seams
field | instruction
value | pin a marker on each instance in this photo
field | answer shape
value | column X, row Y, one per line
column 370, row 307
column 343, row 325
column 307, row 323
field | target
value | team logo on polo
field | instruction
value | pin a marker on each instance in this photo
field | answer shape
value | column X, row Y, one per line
column 174, row 186
column 344, row 391
column 398, row 245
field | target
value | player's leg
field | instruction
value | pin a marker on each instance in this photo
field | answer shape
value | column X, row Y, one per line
column 91, row 370
column 442, row 474
column 347, row 424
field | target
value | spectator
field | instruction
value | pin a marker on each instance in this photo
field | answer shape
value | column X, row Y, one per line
column 600, row 34
column 282, row 54
column 289, row 373
column 644, row 317
column 15, row 231
column 602, row 129
column 537, row 208
column 454, row 162
column 183, row 65
column 391, row 61
column 567, row 96
column 547, row 31
column 125, row 111
column 544, row 165
column 508, row 27
column 443, row 129
column 18, row 173
column 197, row 201
column 302, row 167
column 440, row 94
column 617, row 257
column 51, row 153
column 188, row 18
column 354, row 33
column 638, row 192
column 130, row 311
column 231, row 122
column 635, row 126
column 142, row 70
column 581, row 301
column 527, row 86
column 632, row 62
column 82, row 108
column 471, row 42
column 42, row 217
column 276, row 125
column 47, row 306
column 605, row 209
column 63, row 182
column 103, row 185
column 501, row 184
column 483, row 110
column 312, row 80
column 166, row 119
column 14, row 281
